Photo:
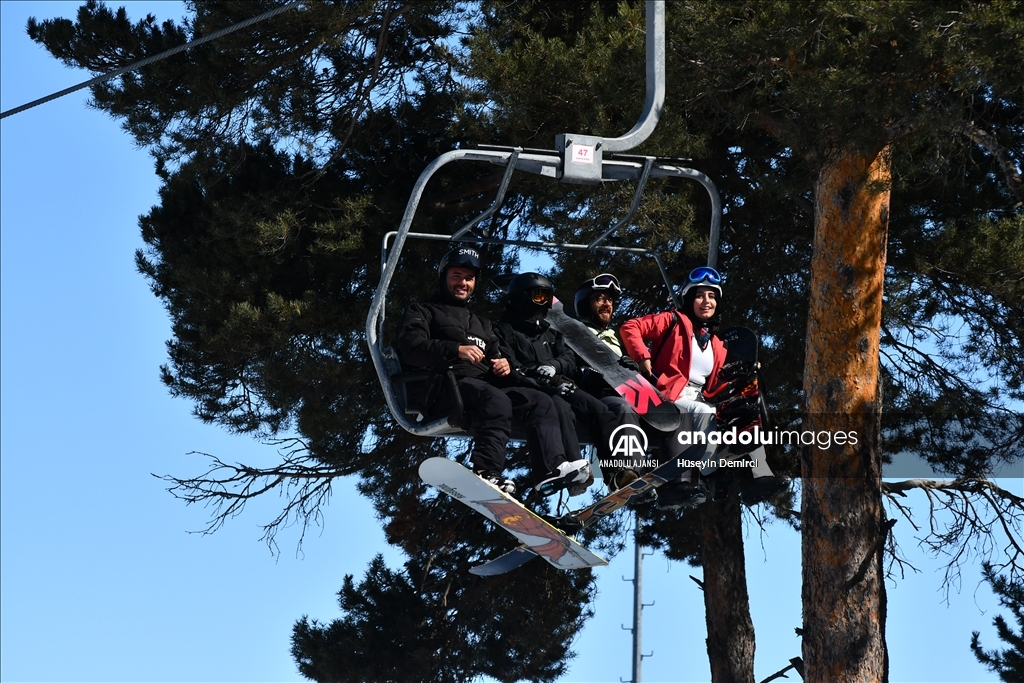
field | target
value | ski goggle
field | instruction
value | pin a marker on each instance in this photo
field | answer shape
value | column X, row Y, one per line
column 542, row 296
column 602, row 282
column 705, row 274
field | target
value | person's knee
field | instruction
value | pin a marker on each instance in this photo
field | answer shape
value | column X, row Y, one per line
column 490, row 402
column 550, row 406
column 618, row 406
column 704, row 409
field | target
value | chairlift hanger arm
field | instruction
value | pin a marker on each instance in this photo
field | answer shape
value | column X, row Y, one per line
column 499, row 198
column 640, row 185
column 655, row 95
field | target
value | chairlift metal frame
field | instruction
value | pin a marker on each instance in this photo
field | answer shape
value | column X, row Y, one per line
column 579, row 159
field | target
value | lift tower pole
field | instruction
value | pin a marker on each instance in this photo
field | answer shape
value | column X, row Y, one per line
column 638, row 602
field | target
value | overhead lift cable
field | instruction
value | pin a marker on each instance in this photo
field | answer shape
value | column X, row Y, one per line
column 155, row 58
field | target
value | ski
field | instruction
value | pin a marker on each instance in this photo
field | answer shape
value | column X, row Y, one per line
column 655, row 409
column 532, row 530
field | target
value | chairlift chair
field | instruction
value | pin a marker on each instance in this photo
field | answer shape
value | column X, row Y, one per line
column 578, row 159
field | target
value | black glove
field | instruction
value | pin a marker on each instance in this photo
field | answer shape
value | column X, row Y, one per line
column 566, row 388
column 628, row 363
column 738, row 370
column 544, row 374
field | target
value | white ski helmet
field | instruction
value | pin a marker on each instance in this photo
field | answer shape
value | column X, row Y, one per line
column 705, row 276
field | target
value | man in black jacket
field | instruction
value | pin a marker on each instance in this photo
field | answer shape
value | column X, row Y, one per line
column 443, row 333
column 539, row 357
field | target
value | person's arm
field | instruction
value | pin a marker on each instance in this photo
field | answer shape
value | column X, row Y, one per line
column 415, row 345
column 636, row 331
column 718, row 353
column 500, row 365
column 564, row 358
column 505, row 347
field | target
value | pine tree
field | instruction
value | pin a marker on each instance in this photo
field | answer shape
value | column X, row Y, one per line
column 903, row 77
column 1008, row 663
column 286, row 153
column 842, row 120
column 879, row 142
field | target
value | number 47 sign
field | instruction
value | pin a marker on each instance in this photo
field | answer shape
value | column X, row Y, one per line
column 582, row 154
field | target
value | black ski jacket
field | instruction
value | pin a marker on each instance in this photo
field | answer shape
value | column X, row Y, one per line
column 530, row 343
column 431, row 333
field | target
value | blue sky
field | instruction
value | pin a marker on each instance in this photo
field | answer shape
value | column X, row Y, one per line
column 101, row 579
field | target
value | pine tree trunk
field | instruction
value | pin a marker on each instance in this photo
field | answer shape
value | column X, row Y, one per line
column 726, row 603
column 842, row 515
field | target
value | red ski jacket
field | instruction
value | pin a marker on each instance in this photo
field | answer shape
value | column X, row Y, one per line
column 671, row 346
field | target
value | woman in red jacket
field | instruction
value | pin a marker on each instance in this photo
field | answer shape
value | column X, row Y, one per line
column 685, row 354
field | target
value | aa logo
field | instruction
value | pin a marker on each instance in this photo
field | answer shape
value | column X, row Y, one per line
column 628, row 441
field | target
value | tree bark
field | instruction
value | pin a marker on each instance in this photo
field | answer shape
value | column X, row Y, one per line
column 842, row 515
column 726, row 602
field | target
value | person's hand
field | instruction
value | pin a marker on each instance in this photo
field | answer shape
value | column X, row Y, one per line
column 645, row 367
column 500, row 366
column 471, row 352
column 566, row 388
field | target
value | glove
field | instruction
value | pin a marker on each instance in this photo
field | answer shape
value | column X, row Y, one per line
column 737, row 369
column 547, row 371
column 542, row 373
column 628, row 363
column 566, row 389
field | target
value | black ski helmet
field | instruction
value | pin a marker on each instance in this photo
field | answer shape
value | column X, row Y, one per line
column 530, row 294
column 605, row 282
column 466, row 257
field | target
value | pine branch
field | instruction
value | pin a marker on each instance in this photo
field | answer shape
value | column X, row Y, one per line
column 1011, row 173
column 227, row 488
column 972, row 528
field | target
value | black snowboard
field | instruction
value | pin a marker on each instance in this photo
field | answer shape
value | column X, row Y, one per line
column 655, row 409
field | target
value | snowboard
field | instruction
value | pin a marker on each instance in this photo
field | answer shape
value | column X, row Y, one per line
column 537, row 535
column 738, row 401
column 572, row 522
column 737, row 394
column 655, row 409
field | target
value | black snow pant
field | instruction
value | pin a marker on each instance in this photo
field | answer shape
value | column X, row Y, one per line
column 584, row 408
column 491, row 411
